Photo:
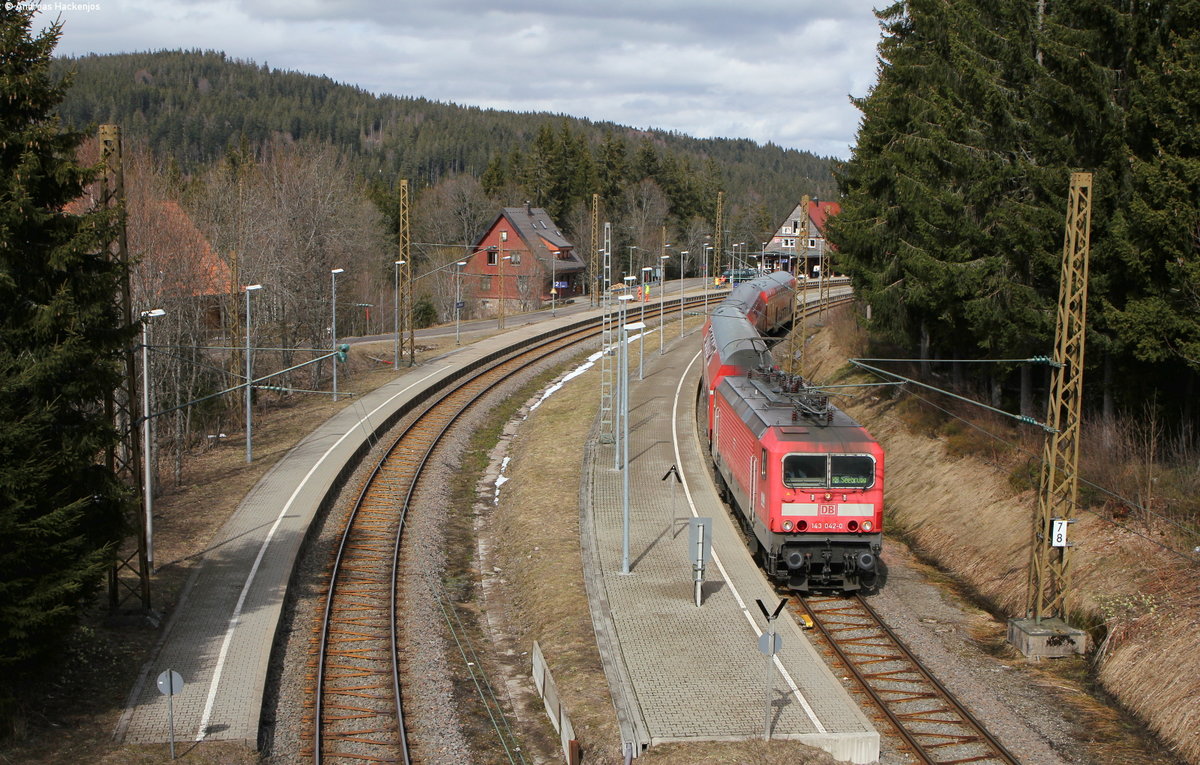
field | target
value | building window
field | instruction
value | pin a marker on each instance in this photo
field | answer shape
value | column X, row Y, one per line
column 503, row 236
column 485, row 284
column 491, row 260
column 789, row 242
column 516, row 258
column 787, row 229
column 812, row 244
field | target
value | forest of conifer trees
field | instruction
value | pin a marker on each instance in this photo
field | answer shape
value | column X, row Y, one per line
column 954, row 199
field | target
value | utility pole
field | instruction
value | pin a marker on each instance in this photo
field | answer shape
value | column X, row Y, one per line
column 717, row 235
column 593, row 270
column 130, row 574
column 1043, row 631
column 407, row 332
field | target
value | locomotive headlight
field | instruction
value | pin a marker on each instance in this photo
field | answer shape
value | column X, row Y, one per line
column 867, row 525
column 828, row 496
column 788, row 525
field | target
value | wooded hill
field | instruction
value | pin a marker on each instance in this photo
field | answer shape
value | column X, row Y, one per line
column 195, row 106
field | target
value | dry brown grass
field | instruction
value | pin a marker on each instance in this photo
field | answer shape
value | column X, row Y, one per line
column 969, row 508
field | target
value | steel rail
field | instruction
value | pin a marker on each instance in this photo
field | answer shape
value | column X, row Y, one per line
column 935, row 726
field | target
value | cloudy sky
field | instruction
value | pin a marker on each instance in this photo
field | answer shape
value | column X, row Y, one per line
column 776, row 71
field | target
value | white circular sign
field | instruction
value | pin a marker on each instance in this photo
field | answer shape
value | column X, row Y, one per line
column 170, row 683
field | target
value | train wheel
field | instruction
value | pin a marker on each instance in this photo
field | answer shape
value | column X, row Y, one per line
column 869, row 581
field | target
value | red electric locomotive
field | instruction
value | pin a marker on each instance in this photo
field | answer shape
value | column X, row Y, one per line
column 804, row 478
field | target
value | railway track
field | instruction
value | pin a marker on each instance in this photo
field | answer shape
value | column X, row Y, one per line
column 932, row 725
column 358, row 711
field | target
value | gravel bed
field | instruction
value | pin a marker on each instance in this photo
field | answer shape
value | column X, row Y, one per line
column 936, row 627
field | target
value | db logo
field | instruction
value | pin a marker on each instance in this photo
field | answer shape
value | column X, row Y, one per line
column 826, row 509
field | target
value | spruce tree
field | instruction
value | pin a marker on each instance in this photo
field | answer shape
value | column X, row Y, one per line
column 60, row 344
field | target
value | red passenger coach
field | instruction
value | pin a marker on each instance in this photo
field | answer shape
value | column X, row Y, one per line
column 731, row 345
column 805, row 479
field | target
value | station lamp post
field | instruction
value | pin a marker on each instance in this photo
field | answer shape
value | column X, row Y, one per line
column 646, row 270
column 147, row 444
column 632, row 247
column 625, row 330
column 333, row 273
column 458, row 303
column 500, row 293
column 249, row 376
column 622, row 373
column 682, row 261
column 662, row 299
column 707, row 249
column 553, row 282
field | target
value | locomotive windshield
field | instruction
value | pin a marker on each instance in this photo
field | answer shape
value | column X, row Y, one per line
column 839, row 471
column 805, row 470
column 851, row 471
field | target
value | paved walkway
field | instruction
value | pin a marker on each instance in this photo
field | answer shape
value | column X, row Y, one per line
column 682, row 672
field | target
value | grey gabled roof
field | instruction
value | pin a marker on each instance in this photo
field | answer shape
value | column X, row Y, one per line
column 533, row 225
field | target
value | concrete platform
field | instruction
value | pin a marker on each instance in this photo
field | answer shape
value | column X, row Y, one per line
column 220, row 634
column 681, row 672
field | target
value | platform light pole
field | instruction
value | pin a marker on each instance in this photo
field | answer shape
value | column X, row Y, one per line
column 553, row 282
column 682, row 260
column 500, row 293
column 458, row 303
column 662, row 300
column 147, row 466
column 642, row 319
column 249, row 376
column 395, row 319
column 707, row 249
column 333, row 273
column 622, row 377
column 632, row 247
column 625, row 329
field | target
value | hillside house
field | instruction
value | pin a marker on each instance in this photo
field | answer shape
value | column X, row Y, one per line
column 801, row 238
column 520, row 258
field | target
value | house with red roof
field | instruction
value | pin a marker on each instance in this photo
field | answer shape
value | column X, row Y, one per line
column 172, row 261
column 799, row 243
column 521, row 261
